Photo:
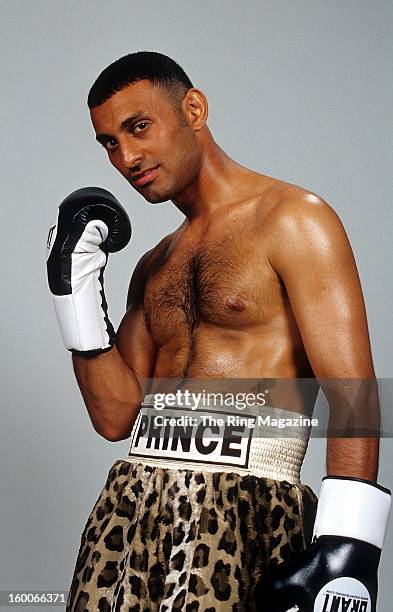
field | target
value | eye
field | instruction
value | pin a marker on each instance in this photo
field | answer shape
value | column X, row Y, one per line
column 110, row 144
column 141, row 125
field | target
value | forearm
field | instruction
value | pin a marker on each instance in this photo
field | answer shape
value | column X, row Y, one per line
column 111, row 393
column 355, row 457
column 354, row 425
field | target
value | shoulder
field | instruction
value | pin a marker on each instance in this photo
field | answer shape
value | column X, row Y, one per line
column 303, row 226
column 144, row 268
column 287, row 206
column 298, row 212
column 150, row 259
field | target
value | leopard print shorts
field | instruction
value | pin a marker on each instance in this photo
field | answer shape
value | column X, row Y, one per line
column 162, row 539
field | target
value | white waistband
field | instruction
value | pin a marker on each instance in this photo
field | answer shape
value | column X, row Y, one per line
column 259, row 440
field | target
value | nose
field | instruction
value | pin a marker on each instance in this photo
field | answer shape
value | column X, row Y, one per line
column 130, row 156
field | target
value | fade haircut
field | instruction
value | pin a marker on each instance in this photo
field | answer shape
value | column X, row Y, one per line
column 158, row 68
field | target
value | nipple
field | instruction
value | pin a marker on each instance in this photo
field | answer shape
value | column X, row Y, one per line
column 235, row 304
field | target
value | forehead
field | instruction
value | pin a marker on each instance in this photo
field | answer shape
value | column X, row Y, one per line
column 139, row 97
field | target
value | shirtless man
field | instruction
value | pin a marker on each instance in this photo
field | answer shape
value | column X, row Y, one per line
column 259, row 282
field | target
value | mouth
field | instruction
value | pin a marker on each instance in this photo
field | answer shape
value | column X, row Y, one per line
column 145, row 177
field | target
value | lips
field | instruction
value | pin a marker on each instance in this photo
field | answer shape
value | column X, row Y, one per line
column 145, row 177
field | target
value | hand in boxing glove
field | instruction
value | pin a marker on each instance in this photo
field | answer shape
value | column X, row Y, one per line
column 90, row 224
column 338, row 572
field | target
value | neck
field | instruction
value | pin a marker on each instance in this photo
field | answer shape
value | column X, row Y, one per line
column 219, row 180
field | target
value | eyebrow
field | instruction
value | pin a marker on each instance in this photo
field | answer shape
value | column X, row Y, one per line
column 125, row 125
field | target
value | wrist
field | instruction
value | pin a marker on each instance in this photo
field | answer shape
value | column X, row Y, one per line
column 354, row 508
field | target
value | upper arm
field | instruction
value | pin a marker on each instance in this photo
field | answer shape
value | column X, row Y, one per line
column 313, row 256
column 133, row 340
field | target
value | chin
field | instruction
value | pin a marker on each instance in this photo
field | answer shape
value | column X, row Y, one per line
column 156, row 199
column 154, row 196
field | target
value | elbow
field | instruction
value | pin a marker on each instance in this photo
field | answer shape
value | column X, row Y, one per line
column 112, row 434
column 114, row 429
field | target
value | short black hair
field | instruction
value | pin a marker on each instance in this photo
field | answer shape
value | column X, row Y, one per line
column 158, row 68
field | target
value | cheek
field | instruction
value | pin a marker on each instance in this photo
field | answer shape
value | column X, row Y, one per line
column 116, row 163
column 183, row 150
column 186, row 162
column 179, row 157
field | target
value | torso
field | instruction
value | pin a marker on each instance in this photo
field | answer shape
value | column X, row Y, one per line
column 214, row 306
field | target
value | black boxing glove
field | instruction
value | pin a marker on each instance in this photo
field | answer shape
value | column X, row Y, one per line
column 338, row 572
column 90, row 224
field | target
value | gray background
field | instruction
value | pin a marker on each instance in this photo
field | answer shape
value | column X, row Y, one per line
column 298, row 89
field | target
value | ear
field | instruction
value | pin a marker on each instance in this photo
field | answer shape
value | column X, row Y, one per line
column 195, row 108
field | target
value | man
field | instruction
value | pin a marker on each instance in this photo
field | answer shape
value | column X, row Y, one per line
column 258, row 282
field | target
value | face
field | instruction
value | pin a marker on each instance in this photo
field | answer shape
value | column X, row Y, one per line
column 141, row 131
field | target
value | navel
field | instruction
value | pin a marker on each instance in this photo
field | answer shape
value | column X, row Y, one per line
column 235, row 304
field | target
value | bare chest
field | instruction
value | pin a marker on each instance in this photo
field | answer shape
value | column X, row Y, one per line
column 223, row 281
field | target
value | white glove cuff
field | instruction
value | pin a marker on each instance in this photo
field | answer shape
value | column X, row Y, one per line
column 81, row 321
column 353, row 508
